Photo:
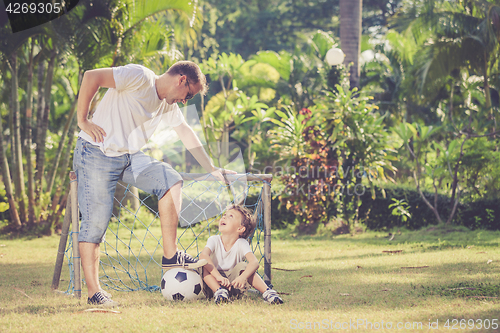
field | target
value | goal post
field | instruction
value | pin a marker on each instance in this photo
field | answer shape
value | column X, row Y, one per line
column 131, row 253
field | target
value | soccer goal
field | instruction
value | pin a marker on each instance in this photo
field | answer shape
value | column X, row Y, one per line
column 132, row 251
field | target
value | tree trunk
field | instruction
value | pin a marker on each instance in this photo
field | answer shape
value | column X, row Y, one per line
column 29, row 163
column 14, row 216
column 350, row 36
column 63, row 173
column 40, row 163
column 487, row 95
column 17, row 151
column 55, row 163
column 39, row 119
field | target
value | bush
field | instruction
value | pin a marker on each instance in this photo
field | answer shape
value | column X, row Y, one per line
column 377, row 214
column 480, row 214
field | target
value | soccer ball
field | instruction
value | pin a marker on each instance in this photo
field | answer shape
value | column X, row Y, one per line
column 180, row 284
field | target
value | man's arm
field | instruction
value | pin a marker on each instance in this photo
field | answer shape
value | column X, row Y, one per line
column 92, row 81
column 193, row 144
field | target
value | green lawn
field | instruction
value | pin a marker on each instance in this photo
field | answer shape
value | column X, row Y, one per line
column 327, row 282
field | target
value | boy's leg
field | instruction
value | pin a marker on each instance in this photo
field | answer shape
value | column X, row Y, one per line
column 269, row 295
column 256, row 281
column 233, row 274
column 212, row 288
column 211, row 282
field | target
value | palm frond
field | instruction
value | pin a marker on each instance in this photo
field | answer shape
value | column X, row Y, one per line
column 138, row 10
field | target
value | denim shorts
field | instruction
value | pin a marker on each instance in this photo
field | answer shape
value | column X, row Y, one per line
column 97, row 176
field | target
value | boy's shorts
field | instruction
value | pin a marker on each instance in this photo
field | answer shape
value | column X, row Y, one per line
column 97, row 176
column 231, row 275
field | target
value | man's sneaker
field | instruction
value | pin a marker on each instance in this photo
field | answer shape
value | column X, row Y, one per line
column 221, row 296
column 272, row 297
column 182, row 260
column 105, row 293
column 100, row 299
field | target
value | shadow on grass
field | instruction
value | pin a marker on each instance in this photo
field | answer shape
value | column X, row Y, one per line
column 382, row 286
column 434, row 238
column 26, row 288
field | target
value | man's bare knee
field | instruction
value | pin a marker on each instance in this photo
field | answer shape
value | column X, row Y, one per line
column 173, row 192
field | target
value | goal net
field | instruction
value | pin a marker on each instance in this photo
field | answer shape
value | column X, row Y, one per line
column 132, row 251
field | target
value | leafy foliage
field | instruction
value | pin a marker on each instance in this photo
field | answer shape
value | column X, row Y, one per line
column 357, row 131
column 247, row 27
column 310, row 186
column 400, row 208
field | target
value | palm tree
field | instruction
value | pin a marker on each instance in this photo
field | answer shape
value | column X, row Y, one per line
column 465, row 35
column 350, row 36
column 92, row 32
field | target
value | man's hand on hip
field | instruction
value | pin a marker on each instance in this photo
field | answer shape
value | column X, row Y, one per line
column 96, row 132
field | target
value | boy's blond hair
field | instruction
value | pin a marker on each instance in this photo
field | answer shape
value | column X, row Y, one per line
column 247, row 219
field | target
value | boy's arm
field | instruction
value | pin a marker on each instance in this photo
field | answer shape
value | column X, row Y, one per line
column 210, row 267
column 252, row 267
column 193, row 144
column 91, row 82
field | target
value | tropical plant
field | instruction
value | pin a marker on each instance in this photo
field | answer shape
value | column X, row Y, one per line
column 357, row 131
column 400, row 208
column 465, row 35
column 310, row 176
column 303, row 72
column 55, row 54
column 249, row 26
column 240, row 88
column 418, row 140
column 249, row 125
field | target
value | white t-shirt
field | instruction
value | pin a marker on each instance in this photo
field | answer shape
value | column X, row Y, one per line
column 226, row 260
column 131, row 112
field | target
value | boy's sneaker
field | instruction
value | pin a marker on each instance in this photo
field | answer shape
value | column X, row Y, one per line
column 221, row 296
column 100, row 299
column 182, row 260
column 272, row 297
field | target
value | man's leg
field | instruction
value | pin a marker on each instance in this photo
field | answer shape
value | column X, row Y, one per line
column 89, row 253
column 169, row 207
column 160, row 179
column 97, row 177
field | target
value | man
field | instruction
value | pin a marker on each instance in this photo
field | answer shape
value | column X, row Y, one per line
column 108, row 150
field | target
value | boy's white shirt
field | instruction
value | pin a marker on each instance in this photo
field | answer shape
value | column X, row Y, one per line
column 131, row 112
column 226, row 260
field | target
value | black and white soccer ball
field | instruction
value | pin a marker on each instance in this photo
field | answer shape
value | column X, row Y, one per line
column 180, row 284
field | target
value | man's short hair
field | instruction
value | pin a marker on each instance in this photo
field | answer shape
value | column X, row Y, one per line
column 192, row 72
column 247, row 219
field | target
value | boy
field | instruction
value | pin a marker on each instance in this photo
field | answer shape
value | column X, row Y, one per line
column 225, row 253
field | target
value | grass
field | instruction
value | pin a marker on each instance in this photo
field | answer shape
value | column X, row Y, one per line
column 323, row 279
